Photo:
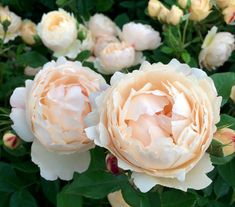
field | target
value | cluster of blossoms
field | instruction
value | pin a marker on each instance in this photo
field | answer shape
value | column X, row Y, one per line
column 198, row 10
column 157, row 121
column 12, row 26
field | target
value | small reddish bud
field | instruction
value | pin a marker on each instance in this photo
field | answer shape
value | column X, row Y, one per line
column 112, row 164
column 10, row 140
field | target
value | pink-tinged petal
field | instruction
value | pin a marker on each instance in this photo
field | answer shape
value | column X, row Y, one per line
column 20, row 125
column 145, row 104
column 54, row 165
column 194, row 179
column 181, row 106
column 18, row 98
column 117, row 76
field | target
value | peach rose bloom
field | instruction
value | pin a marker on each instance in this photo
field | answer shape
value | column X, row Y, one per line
column 108, row 61
column 116, row 200
column 224, row 3
column 159, row 121
column 141, row 36
column 28, row 31
column 199, row 9
column 49, row 111
column 226, row 137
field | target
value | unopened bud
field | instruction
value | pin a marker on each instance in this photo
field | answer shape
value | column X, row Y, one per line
column 111, row 164
column 154, row 7
column 10, row 140
column 226, row 137
column 232, row 94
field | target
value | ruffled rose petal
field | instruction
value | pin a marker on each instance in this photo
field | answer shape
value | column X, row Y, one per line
column 18, row 116
column 18, row 98
column 195, row 179
column 53, row 165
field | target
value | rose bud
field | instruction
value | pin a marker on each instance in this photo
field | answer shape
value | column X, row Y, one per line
column 111, row 164
column 10, row 140
column 232, row 94
column 13, row 24
column 226, row 137
column 216, row 49
column 154, row 7
column 229, row 14
column 116, row 199
column 183, row 3
column 164, row 12
column 176, row 15
column 199, row 9
column 28, row 32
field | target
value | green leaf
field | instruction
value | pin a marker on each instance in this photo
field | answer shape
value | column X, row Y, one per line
column 166, row 50
column 26, row 167
column 19, row 151
column 50, row 189
column 103, row 5
column 121, row 19
column 4, row 198
column 68, row 200
column 138, row 199
column 186, row 57
column 95, row 184
column 176, row 198
column 9, row 182
column 226, row 121
column 82, row 56
column 227, row 173
column 33, row 59
column 220, row 187
column 22, row 199
column 97, row 159
column 223, row 83
column 221, row 160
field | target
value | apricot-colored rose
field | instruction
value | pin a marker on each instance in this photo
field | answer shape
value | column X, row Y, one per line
column 50, row 111
column 158, row 122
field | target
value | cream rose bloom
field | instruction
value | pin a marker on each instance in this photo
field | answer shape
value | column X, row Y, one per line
column 58, row 31
column 175, row 15
column 117, row 56
column 14, row 28
column 199, row 9
column 49, row 111
column 28, row 31
column 116, row 200
column 159, row 121
column 141, row 36
column 216, row 49
column 101, row 25
column 228, row 13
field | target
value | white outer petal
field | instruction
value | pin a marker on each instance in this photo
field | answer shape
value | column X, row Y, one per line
column 18, row 98
column 53, row 165
column 18, row 116
column 195, row 179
